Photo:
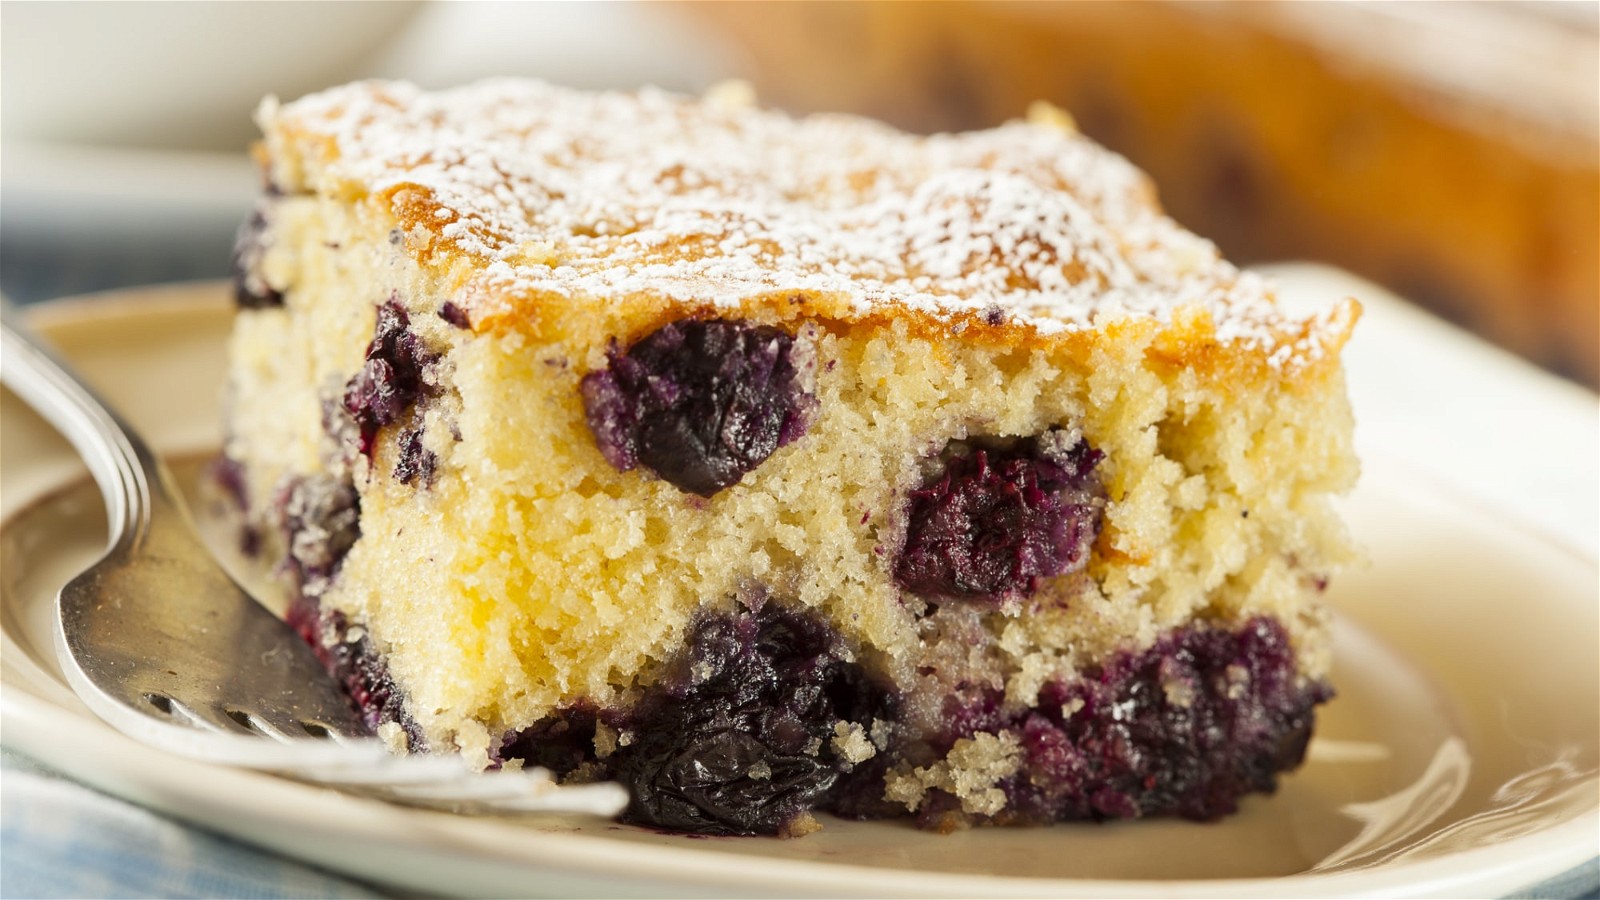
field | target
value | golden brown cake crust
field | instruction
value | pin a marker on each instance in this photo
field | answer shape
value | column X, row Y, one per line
column 990, row 348
column 541, row 207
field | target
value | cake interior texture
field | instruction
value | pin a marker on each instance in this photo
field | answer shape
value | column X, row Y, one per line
column 775, row 466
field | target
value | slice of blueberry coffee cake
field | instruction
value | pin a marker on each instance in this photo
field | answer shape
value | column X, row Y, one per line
column 775, row 466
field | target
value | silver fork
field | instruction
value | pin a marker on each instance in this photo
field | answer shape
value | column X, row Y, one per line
column 163, row 645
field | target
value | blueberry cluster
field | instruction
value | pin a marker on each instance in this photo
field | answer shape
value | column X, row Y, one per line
column 389, row 383
column 320, row 518
column 1186, row 727
column 739, row 737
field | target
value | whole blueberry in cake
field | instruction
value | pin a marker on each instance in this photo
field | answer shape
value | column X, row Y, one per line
column 697, row 403
column 782, row 467
column 993, row 522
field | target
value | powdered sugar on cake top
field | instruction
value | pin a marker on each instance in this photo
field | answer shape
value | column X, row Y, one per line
column 599, row 195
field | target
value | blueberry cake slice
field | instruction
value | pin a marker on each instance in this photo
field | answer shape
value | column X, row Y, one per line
column 775, row 466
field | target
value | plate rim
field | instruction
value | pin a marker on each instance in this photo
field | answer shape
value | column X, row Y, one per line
column 1519, row 862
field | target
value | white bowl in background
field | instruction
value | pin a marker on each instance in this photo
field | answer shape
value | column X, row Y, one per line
column 175, row 75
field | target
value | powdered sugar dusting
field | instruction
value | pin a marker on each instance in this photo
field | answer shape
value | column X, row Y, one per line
column 597, row 195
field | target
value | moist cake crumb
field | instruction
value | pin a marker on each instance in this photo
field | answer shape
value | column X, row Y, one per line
column 783, row 466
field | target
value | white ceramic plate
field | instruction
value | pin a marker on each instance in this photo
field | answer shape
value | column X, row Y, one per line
column 1460, row 757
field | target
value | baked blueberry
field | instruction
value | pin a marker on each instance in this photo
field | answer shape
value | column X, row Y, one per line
column 699, row 403
column 740, row 740
column 998, row 519
column 391, row 378
column 250, row 289
column 1185, row 727
column 416, row 462
column 320, row 517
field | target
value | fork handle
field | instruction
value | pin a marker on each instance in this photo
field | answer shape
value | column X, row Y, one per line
column 129, row 475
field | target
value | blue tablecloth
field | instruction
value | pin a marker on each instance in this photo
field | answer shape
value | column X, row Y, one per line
column 61, row 839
